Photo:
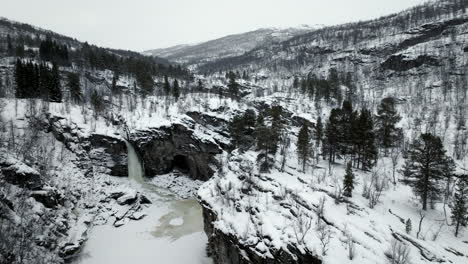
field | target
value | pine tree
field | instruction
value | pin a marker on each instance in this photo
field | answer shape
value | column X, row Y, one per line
column 233, row 86
column 331, row 142
column 408, row 226
column 459, row 205
column 19, row 79
column 242, row 128
column 319, row 131
column 176, row 89
column 2, row 91
column 115, row 78
column 424, row 167
column 9, row 45
column 345, row 130
column 386, row 119
column 348, row 181
column 303, row 145
column 296, row 82
column 55, row 93
column 366, row 148
column 73, row 83
column 167, row 85
column 200, row 85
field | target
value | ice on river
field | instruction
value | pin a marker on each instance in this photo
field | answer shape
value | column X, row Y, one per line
column 171, row 234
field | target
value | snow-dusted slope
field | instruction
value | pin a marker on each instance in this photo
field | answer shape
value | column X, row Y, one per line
column 229, row 46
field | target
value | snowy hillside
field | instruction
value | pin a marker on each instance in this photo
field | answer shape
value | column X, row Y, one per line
column 343, row 144
column 229, row 46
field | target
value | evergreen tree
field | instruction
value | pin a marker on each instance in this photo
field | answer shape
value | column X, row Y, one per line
column 424, row 167
column 2, row 91
column 55, row 93
column 408, row 226
column 364, row 138
column 19, row 51
column 9, row 45
column 176, row 89
column 346, row 119
column 319, row 131
column 167, row 86
column 73, row 83
column 45, row 80
column 19, row 79
column 459, row 205
column 303, row 145
column 386, row 119
column 330, row 144
column 242, row 128
column 296, row 82
column 277, row 125
column 200, row 85
column 348, row 181
column 233, row 86
column 245, row 75
column 115, row 78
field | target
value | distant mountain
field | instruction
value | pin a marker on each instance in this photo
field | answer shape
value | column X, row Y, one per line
column 229, row 46
column 405, row 39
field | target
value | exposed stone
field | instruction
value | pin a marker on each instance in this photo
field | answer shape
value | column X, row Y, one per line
column 226, row 248
column 48, row 196
column 18, row 173
column 104, row 153
column 403, row 63
column 110, row 153
column 176, row 147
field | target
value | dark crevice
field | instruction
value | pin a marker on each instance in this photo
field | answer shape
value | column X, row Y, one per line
column 181, row 164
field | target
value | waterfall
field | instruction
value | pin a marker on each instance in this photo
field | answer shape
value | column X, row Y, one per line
column 135, row 168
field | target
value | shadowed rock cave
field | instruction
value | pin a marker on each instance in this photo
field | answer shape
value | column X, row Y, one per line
column 181, row 164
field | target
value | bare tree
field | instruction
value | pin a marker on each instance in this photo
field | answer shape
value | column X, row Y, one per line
column 421, row 215
column 395, row 156
column 324, row 234
column 399, row 253
column 301, row 225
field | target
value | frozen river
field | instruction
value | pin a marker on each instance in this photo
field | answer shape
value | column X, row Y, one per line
column 171, row 233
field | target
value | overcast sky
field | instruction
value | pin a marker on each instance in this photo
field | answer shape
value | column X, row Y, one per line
column 147, row 24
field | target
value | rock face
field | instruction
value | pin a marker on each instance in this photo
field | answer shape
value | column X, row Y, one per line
column 226, row 249
column 110, row 153
column 176, row 147
column 402, row 63
column 104, row 153
column 18, row 173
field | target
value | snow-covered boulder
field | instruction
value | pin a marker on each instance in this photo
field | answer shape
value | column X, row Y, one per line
column 16, row 172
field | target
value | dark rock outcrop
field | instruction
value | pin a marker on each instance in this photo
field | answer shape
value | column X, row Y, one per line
column 49, row 197
column 105, row 153
column 110, row 153
column 17, row 173
column 176, row 147
column 226, row 249
column 403, row 63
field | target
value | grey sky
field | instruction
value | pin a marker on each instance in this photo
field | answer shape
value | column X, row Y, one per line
column 146, row 24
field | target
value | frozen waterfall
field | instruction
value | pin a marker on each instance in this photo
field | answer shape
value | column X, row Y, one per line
column 135, row 168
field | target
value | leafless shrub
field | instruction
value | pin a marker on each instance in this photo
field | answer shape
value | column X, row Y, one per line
column 398, row 253
column 421, row 219
column 321, row 209
column 302, row 224
column 436, row 234
column 395, row 156
column 324, row 234
column 373, row 189
column 350, row 243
